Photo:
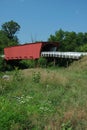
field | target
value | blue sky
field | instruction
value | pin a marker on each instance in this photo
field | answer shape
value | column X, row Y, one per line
column 40, row 18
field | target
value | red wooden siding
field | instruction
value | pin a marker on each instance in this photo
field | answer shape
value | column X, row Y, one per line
column 26, row 51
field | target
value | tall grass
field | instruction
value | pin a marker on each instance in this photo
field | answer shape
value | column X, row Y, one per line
column 45, row 99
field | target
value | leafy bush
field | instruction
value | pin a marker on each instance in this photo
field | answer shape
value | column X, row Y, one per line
column 27, row 63
column 4, row 65
column 42, row 62
column 1, row 64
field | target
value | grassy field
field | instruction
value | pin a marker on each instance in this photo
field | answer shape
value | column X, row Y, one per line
column 45, row 98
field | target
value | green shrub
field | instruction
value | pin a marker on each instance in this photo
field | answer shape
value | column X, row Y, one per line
column 27, row 63
column 42, row 62
column 51, row 64
column 1, row 64
column 4, row 65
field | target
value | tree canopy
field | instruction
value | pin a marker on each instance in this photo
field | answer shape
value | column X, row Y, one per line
column 70, row 41
column 8, row 35
column 11, row 28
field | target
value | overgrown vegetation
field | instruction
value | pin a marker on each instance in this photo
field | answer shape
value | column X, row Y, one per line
column 42, row 62
column 44, row 98
column 27, row 64
column 22, row 64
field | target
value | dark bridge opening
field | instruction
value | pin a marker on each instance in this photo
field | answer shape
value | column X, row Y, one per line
column 49, row 47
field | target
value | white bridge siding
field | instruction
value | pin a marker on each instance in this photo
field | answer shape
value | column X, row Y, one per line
column 71, row 55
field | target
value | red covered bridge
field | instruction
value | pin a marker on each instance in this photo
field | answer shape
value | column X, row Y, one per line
column 30, row 50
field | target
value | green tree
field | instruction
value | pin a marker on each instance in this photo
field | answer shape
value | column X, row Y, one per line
column 4, row 41
column 80, row 38
column 8, row 35
column 70, row 41
column 58, row 37
column 10, row 29
column 67, row 40
column 85, row 37
column 83, row 48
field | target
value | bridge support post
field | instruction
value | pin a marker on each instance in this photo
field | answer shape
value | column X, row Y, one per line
column 54, row 61
column 67, row 63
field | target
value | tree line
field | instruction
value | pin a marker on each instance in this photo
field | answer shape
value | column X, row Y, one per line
column 70, row 41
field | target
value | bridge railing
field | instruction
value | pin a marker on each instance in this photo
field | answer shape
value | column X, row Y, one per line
column 72, row 55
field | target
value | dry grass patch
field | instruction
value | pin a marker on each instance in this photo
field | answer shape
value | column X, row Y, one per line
column 47, row 75
column 79, row 65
